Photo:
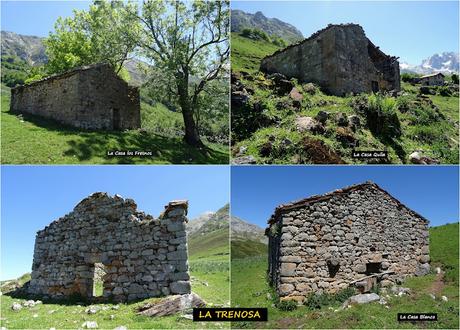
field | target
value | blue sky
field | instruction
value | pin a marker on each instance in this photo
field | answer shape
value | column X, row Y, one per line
column 412, row 30
column 431, row 191
column 34, row 196
column 36, row 17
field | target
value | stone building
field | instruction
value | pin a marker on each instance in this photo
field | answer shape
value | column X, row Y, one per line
column 355, row 236
column 435, row 79
column 142, row 256
column 90, row 97
column 340, row 59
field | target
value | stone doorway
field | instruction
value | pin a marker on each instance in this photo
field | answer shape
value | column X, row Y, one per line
column 116, row 120
column 375, row 86
column 98, row 280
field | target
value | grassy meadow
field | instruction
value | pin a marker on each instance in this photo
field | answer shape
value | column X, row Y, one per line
column 29, row 139
column 250, row 289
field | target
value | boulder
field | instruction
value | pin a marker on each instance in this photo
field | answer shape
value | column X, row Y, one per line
column 244, row 160
column 89, row 325
column 364, row 298
column 304, row 124
column 354, row 122
column 417, row 158
column 342, row 119
column 322, row 116
column 309, row 88
column 295, row 95
column 171, row 305
column 16, row 306
column 422, row 269
column 239, row 98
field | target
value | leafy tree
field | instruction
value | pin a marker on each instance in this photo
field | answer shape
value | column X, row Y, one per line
column 454, row 78
column 106, row 32
column 186, row 41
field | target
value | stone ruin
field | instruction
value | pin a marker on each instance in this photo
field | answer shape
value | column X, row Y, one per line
column 356, row 236
column 142, row 256
column 340, row 59
column 90, row 97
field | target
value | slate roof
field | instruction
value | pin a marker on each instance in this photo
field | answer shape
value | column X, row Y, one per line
column 319, row 198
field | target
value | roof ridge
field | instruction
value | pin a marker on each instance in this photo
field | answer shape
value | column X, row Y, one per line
column 317, row 198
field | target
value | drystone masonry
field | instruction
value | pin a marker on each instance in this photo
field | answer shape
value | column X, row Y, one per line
column 90, row 97
column 340, row 59
column 142, row 256
column 330, row 242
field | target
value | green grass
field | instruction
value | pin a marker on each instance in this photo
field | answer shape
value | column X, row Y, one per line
column 247, row 53
column 444, row 249
column 247, row 248
column 250, row 289
column 33, row 140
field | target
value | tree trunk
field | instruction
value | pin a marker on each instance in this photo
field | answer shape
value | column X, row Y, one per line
column 192, row 137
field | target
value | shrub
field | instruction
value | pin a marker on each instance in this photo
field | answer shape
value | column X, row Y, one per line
column 454, row 78
column 286, row 305
column 381, row 116
column 445, row 91
column 316, row 301
column 407, row 77
column 255, row 34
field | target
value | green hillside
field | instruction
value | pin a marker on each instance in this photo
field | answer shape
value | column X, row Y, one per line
column 444, row 249
column 250, row 289
column 212, row 245
column 247, row 53
column 247, row 248
column 265, row 123
column 27, row 139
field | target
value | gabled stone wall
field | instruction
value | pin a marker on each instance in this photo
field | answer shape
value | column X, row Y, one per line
column 326, row 242
column 338, row 58
column 91, row 97
column 143, row 256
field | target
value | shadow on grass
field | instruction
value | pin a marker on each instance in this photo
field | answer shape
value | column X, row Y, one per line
column 90, row 144
column 72, row 300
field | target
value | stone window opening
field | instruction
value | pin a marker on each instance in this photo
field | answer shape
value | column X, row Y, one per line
column 373, row 268
column 99, row 274
column 375, row 86
column 333, row 266
column 116, row 119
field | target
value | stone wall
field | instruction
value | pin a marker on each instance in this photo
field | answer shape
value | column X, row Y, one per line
column 91, row 97
column 340, row 59
column 325, row 242
column 143, row 256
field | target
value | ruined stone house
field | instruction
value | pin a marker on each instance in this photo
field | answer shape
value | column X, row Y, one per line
column 435, row 79
column 359, row 235
column 89, row 97
column 141, row 256
column 340, row 59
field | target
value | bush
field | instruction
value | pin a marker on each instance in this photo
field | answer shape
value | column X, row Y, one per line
column 286, row 305
column 381, row 116
column 445, row 91
column 407, row 77
column 255, row 34
column 454, row 78
column 316, row 301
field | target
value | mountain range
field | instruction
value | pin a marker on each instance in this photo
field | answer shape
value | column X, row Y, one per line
column 31, row 49
column 272, row 26
column 446, row 62
column 247, row 231
column 208, row 222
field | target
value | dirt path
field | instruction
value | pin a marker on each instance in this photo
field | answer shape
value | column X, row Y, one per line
column 437, row 285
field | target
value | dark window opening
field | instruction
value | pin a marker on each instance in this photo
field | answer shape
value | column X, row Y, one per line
column 375, row 86
column 333, row 266
column 116, row 119
column 373, row 268
column 98, row 279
